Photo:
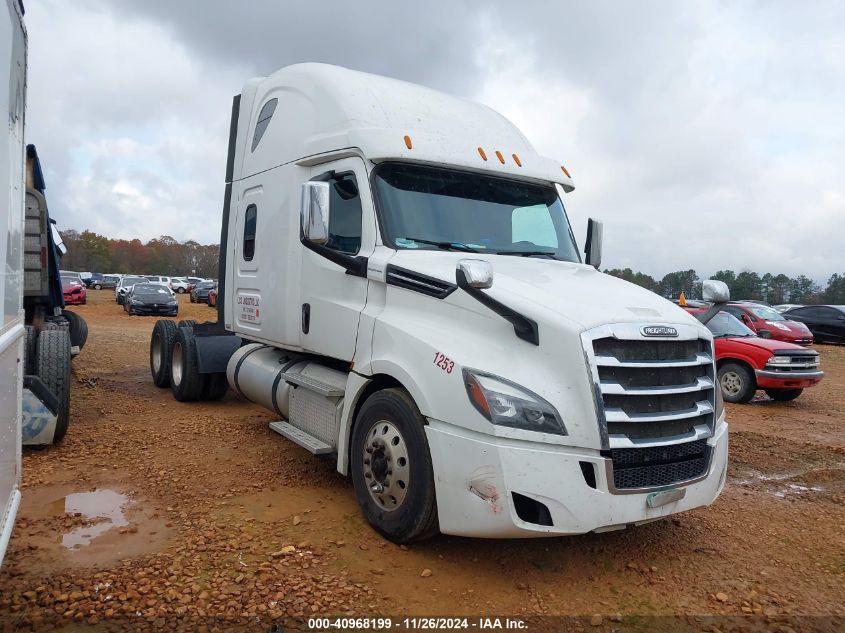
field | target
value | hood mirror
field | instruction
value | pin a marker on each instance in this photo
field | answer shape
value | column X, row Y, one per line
column 314, row 212
column 478, row 273
column 715, row 291
column 592, row 249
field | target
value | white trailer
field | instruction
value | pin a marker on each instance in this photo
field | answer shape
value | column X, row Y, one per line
column 399, row 283
column 12, row 331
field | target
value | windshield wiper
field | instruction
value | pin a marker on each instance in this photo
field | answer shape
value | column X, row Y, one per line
column 528, row 253
column 446, row 246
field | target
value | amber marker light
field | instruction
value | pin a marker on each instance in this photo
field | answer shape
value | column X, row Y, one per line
column 500, row 157
column 516, row 160
column 482, row 154
column 563, row 169
column 408, row 143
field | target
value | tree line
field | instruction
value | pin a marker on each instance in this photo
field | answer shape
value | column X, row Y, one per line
column 773, row 288
column 89, row 252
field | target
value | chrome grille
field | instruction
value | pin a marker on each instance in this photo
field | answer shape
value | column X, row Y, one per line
column 652, row 395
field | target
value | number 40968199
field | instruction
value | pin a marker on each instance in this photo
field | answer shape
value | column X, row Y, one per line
column 443, row 362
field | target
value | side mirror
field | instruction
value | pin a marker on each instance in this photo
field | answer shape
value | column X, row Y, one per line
column 478, row 273
column 592, row 249
column 715, row 291
column 314, row 214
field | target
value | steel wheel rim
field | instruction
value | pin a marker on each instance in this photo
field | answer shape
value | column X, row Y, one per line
column 386, row 465
column 731, row 383
column 176, row 365
column 156, row 353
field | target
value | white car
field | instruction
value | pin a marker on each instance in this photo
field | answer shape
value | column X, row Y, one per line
column 176, row 284
column 125, row 285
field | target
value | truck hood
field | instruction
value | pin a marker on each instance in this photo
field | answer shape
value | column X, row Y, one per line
column 575, row 292
column 755, row 342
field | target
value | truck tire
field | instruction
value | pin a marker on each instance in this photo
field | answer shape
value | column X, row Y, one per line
column 737, row 383
column 391, row 468
column 161, row 347
column 783, row 395
column 186, row 382
column 78, row 328
column 189, row 323
column 29, row 351
column 53, row 366
column 215, row 387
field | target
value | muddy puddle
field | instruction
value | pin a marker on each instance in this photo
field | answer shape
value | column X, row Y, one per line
column 794, row 484
column 69, row 527
column 103, row 510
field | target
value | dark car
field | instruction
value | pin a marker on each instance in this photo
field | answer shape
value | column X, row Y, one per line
column 199, row 293
column 151, row 299
column 827, row 323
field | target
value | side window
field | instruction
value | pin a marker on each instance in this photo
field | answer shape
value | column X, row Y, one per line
column 534, row 225
column 250, row 222
column 263, row 121
column 828, row 313
column 734, row 311
column 345, row 217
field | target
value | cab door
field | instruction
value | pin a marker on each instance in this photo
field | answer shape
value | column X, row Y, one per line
column 333, row 288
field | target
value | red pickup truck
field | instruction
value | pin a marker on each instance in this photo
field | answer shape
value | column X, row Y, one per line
column 746, row 362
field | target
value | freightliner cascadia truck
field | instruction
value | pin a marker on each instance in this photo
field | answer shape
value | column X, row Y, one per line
column 400, row 285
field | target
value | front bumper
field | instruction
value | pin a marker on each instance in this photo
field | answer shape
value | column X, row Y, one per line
column 74, row 300
column 160, row 310
column 787, row 379
column 477, row 474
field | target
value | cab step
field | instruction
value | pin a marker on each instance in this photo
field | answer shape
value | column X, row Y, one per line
column 308, row 442
column 312, row 384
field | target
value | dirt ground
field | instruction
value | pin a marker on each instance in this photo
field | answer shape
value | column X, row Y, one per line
column 157, row 514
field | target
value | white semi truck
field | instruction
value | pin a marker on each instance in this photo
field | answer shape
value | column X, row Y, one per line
column 12, row 330
column 400, row 284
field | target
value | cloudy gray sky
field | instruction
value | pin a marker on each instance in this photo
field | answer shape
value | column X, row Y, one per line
column 706, row 135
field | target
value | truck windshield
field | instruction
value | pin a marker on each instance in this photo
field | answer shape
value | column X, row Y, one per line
column 724, row 324
column 430, row 208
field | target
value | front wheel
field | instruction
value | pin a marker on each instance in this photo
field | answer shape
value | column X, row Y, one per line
column 737, row 383
column 391, row 468
column 97, row 287
column 783, row 395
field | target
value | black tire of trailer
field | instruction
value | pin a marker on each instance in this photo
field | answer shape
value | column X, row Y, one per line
column 186, row 382
column 53, row 366
column 783, row 395
column 416, row 518
column 745, row 381
column 78, row 328
column 161, row 348
column 29, row 350
column 215, row 387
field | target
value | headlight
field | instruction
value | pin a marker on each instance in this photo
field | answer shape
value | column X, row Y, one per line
column 134, row 301
column 779, row 360
column 506, row 404
column 778, row 325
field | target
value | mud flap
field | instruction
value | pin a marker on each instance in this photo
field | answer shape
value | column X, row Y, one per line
column 40, row 413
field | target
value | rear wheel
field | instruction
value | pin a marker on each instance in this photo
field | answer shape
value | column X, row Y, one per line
column 189, row 323
column 181, row 291
column 97, row 287
column 53, row 366
column 186, row 382
column 161, row 347
column 783, row 395
column 391, row 468
column 29, row 351
column 737, row 383
column 78, row 328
